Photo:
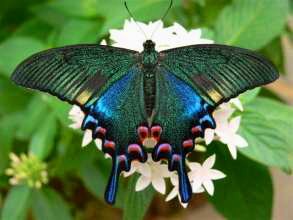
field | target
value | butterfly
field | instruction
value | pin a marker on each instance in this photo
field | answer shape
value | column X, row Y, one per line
column 130, row 97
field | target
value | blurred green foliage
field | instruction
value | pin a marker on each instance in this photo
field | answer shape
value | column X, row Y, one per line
column 37, row 123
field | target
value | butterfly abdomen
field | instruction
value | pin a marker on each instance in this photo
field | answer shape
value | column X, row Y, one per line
column 149, row 89
column 149, row 59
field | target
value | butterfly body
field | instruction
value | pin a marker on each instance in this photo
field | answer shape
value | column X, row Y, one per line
column 130, row 97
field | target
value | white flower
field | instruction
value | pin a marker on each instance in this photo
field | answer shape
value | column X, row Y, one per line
column 228, row 136
column 226, row 130
column 221, row 116
column 202, row 175
column 237, row 103
column 76, row 115
column 132, row 38
column 175, row 191
column 87, row 138
column 151, row 173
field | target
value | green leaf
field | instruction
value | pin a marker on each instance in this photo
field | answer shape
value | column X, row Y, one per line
column 15, row 50
column 8, row 126
column 143, row 11
column 76, row 8
column 28, row 29
column 67, row 147
column 42, row 142
column 211, row 11
column 49, row 15
column 267, row 126
column 274, row 51
column 58, row 108
column 136, row 203
column 246, row 192
column 207, row 33
column 9, row 92
column 32, row 118
column 95, row 177
column 49, row 205
column 251, row 24
column 94, row 172
column 78, row 31
column 200, row 2
column 249, row 95
column 17, row 203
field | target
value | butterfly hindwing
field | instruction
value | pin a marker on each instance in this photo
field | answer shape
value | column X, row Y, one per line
column 179, row 110
column 74, row 73
column 218, row 72
column 118, row 113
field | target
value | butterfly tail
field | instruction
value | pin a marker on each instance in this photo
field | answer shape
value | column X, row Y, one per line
column 111, row 190
column 178, row 164
column 119, row 163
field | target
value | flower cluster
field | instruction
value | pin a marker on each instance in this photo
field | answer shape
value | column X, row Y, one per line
column 201, row 175
column 27, row 169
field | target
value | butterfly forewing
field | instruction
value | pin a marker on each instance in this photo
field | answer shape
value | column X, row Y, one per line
column 218, row 72
column 74, row 73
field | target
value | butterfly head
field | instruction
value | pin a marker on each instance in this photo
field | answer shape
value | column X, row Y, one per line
column 149, row 45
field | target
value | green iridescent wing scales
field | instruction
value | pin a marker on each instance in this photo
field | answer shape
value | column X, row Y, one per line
column 219, row 72
column 74, row 73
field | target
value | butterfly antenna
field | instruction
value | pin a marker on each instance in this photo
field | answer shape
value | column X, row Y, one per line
column 131, row 15
column 163, row 17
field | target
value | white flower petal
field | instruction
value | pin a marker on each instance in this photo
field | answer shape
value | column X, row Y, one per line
column 240, row 141
column 209, row 163
column 174, row 179
column 159, row 185
column 200, row 148
column 103, row 42
column 209, row 135
column 132, row 170
column 76, row 115
column 233, row 150
column 75, row 111
column 172, row 194
column 99, row 143
column 142, row 183
column 209, row 186
column 145, row 169
column 87, row 138
column 216, row 174
column 234, row 124
column 164, row 171
column 196, row 185
column 237, row 103
column 75, row 125
column 107, row 156
column 194, row 165
column 199, row 190
column 222, row 115
column 184, row 205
